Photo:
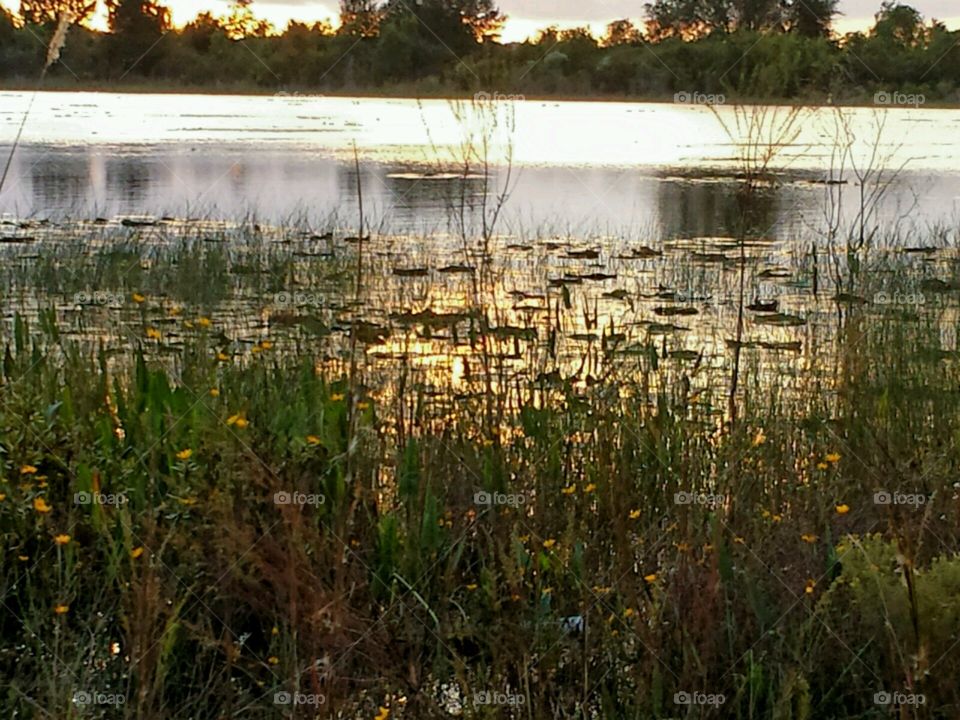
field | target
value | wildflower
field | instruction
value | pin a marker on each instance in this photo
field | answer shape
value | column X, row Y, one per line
column 274, row 631
column 471, row 587
column 383, row 714
column 266, row 345
column 136, row 552
column 822, row 466
column 843, row 509
column 204, row 322
column 273, row 660
column 28, row 470
column 3, row 496
column 364, row 406
column 138, row 298
column 40, row 505
column 239, row 420
column 214, row 393
column 61, row 609
column 590, row 488
column 188, row 501
column 313, row 440
column 176, row 310
column 153, row 333
column 336, row 397
column 759, row 438
column 256, row 349
column 811, row 584
column 23, row 558
column 682, row 546
column 569, row 489
column 61, row 539
column 628, row 613
column 808, row 538
column 652, row 577
column 739, row 540
column 524, row 539
column 223, row 357
column 549, row 543
column 833, row 458
column 185, row 454
column 634, row 514
column 188, row 325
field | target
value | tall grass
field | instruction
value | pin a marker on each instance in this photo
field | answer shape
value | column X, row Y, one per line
column 390, row 586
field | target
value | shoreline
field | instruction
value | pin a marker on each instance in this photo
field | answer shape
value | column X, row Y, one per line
column 410, row 93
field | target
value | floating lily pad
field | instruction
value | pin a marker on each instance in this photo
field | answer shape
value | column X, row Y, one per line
column 780, row 320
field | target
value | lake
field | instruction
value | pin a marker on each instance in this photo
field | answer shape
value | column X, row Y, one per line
column 662, row 170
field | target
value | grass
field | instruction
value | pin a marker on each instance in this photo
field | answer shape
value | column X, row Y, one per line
column 205, row 515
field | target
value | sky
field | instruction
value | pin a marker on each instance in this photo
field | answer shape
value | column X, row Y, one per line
column 528, row 16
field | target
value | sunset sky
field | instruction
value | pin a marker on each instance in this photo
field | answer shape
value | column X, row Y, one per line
column 527, row 16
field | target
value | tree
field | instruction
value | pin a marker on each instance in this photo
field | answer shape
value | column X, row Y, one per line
column 900, row 24
column 622, row 32
column 811, row 18
column 40, row 12
column 360, row 18
column 241, row 22
column 136, row 27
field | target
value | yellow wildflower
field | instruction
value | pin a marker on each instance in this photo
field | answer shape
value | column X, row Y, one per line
column 634, row 514
column 843, row 509
column 40, row 505
column 833, row 458
column 136, row 552
column 204, row 322
column 569, row 489
column 61, row 609
column 383, row 714
column 652, row 577
column 337, row 397
column 811, row 584
column 628, row 613
column 759, row 438
column 590, row 488
column 266, row 345
column 822, row 466
column 3, row 496
column 153, row 333
column 313, row 440
column 549, row 543
column 808, row 538
column 214, row 393
column 471, row 587
column 223, row 357
column 274, row 630
column 241, row 423
column 273, row 660
column 28, row 470
column 61, row 539
column 138, row 298
column 185, row 454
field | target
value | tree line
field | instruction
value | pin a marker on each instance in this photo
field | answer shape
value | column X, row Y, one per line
column 775, row 49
